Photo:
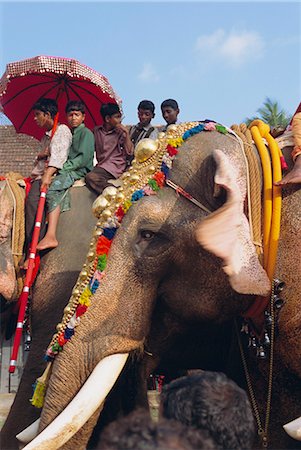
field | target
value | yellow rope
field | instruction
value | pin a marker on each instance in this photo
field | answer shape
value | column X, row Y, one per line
column 272, row 193
column 254, row 192
column 18, row 228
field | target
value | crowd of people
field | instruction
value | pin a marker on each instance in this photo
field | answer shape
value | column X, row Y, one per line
column 68, row 152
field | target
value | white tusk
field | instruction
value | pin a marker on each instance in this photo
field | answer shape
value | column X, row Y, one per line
column 293, row 429
column 29, row 433
column 90, row 397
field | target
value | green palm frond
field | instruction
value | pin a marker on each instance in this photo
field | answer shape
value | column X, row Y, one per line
column 272, row 114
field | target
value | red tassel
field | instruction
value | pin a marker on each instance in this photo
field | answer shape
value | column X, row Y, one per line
column 284, row 166
column 80, row 310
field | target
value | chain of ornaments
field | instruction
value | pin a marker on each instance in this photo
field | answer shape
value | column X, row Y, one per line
column 261, row 345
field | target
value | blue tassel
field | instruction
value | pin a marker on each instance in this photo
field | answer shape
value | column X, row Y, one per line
column 69, row 332
column 164, row 169
column 109, row 233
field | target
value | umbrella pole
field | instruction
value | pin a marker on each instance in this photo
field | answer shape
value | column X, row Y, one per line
column 28, row 280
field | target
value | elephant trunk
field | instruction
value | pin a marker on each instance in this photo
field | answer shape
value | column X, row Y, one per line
column 115, row 324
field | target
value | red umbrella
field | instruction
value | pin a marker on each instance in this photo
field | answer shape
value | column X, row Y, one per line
column 25, row 82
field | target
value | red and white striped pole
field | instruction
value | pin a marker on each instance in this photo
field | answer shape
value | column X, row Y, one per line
column 22, row 301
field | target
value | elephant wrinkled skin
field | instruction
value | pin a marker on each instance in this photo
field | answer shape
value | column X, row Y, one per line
column 172, row 267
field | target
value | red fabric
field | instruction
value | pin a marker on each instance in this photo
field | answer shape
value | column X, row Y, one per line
column 60, row 82
column 27, row 185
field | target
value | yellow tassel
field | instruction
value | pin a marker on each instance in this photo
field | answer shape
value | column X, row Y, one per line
column 38, row 397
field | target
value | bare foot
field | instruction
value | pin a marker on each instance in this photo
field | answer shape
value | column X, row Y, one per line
column 47, row 243
column 294, row 176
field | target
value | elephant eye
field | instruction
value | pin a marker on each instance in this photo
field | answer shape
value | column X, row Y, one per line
column 147, row 235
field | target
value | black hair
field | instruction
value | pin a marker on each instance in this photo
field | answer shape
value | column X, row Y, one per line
column 137, row 431
column 46, row 105
column 147, row 104
column 211, row 401
column 171, row 103
column 109, row 109
column 75, row 105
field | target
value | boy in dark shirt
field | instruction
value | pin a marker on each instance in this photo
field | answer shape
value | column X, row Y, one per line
column 112, row 146
column 170, row 111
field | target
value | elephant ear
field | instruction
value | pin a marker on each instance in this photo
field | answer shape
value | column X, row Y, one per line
column 226, row 233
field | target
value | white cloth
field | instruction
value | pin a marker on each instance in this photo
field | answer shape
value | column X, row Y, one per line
column 58, row 147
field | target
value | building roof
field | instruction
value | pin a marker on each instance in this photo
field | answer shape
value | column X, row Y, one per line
column 17, row 151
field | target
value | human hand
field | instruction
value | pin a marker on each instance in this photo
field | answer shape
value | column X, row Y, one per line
column 122, row 128
column 46, row 180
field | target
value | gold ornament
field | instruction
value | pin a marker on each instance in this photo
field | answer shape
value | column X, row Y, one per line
column 145, row 149
column 83, row 275
column 109, row 192
column 151, row 170
column 106, row 214
column 134, row 179
column 120, row 197
column 98, row 232
column 99, row 205
column 67, row 310
column 90, row 256
column 171, row 129
column 76, row 292
column 161, row 135
column 59, row 327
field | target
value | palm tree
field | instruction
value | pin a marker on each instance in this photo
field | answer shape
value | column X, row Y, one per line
column 271, row 113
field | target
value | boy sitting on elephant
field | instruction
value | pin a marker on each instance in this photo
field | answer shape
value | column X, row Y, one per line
column 78, row 164
column 55, row 147
column 113, row 146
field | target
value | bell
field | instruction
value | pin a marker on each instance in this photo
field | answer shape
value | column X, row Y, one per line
column 278, row 302
column 145, row 149
column 278, row 285
column 27, row 342
column 268, row 320
column 261, row 352
column 266, row 340
column 161, row 135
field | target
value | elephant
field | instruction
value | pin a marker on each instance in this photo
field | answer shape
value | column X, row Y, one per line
column 58, row 272
column 177, row 264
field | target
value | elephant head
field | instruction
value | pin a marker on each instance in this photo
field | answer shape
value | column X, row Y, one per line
column 192, row 261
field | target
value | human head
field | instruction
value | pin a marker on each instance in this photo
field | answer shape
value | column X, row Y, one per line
column 111, row 115
column 138, row 431
column 211, row 401
column 146, row 112
column 170, row 110
column 75, row 111
column 45, row 110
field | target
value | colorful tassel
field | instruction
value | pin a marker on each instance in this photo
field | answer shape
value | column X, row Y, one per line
column 38, row 397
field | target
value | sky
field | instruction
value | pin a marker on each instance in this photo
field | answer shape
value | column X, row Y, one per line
column 219, row 60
